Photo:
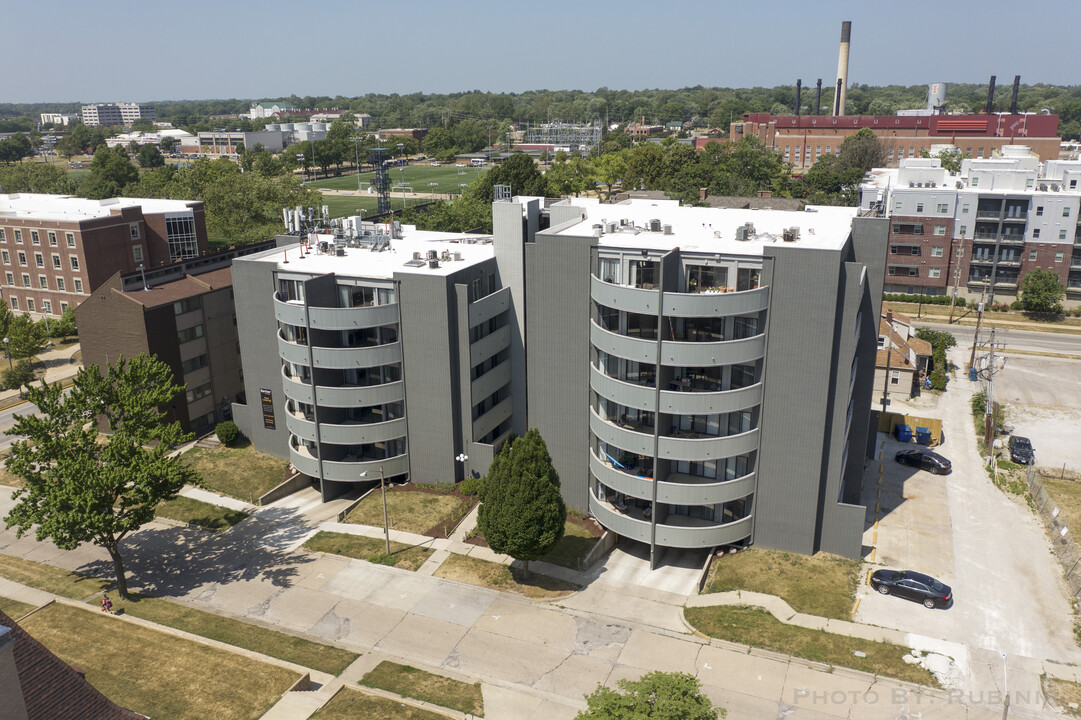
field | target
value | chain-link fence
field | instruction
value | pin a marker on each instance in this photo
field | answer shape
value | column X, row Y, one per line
column 1066, row 550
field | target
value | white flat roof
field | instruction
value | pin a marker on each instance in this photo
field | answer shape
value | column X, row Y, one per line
column 38, row 206
column 364, row 263
column 713, row 230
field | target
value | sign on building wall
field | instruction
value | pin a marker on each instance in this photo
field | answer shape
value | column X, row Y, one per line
column 267, row 401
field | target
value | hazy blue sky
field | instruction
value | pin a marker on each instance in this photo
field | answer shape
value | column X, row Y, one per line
column 73, row 50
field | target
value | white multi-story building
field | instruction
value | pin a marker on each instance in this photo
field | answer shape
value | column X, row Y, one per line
column 117, row 113
column 263, row 110
column 57, row 118
column 980, row 228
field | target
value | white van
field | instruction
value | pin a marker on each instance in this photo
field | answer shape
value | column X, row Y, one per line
column 476, row 162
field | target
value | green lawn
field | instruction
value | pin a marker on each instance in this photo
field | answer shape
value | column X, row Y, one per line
column 407, row 557
column 13, row 608
column 485, row 573
column 447, row 178
column 239, row 472
column 347, row 205
column 197, row 512
column 757, row 628
column 50, row 579
column 157, row 674
column 821, row 584
column 420, row 685
column 414, row 511
column 572, row 548
column 351, row 705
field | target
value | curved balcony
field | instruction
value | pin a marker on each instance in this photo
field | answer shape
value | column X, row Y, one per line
column 344, row 358
column 691, row 402
column 291, row 313
column 354, row 318
column 296, row 389
column 625, row 438
column 633, row 485
column 617, row 522
column 624, row 297
column 292, row 352
column 681, row 489
column 725, row 352
column 680, row 531
column 703, row 448
column 630, row 394
column 716, row 304
column 346, row 433
column 360, row 396
column 629, row 348
column 348, row 470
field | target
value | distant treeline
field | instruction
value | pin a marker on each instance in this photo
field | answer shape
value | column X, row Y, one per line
column 701, row 106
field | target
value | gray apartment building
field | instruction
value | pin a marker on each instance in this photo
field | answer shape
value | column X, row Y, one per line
column 702, row 377
column 117, row 113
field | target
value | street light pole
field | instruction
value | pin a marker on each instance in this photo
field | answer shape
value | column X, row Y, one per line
column 356, row 152
column 1005, row 687
column 386, row 523
column 7, row 351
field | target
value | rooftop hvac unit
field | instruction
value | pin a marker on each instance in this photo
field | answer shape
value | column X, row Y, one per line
column 416, row 255
column 445, row 256
column 716, row 233
column 623, row 222
column 911, row 184
column 610, row 227
column 666, row 229
column 339, row 250
column 790, row 234
column 431, row 255
column 432, row 262
column 654, row 225
column 457, row 256
column 745, row 232
column 960, row 185
column 598, row 230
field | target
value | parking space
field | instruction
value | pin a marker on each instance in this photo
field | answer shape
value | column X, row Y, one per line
column 1043, row 399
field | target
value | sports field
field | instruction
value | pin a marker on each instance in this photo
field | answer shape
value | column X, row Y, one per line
column 420, row 178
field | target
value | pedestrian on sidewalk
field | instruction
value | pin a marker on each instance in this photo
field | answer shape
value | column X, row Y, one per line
column 106, row 604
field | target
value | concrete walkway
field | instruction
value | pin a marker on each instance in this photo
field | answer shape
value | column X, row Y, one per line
column 58, row 367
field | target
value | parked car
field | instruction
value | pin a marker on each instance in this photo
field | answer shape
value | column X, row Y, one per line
column 925, row 460
column 913, row 586
column 435, row 164
column 1021, row 450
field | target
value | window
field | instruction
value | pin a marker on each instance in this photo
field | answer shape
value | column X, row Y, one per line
column 975, row 181
column 904, row 249
column 52, row 238
column 10, row 278
column 904, row 270
column 943, row 207
column 60, row 284
column 3, row 235
column 934, row 272
column 63, row 307
column 964, row 229
column 1039, row 210
column 936, row 252
column 22, row 258
column 26, row 280
column 189, row 334
column 30, row 304
column 1029, row 182
column 71, row 239
column 74, row 262
column 180, row 232
column 56, row 263
column 200, row 392
column 47, row 306
column 940, row 229
column 6, row 257
column 964, row 208
column 199, row 361
column 897, row 206
column 187, row 305
column 18, row 236
column 895, row 377
column 1032, row 256
column 78, row 285
column 137, row 252
column 1061, row 234
column 1036, row 233
column 43, row 282
column 1065, row 212
column 39, row 260
column 14, row 303
column 34, row 239
column 134, row 228
column 1059, row 257
column 919, row 207
column 608, row 269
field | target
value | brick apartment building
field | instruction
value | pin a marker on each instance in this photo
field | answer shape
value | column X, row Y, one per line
column 56, row 249
column 982, row 228
column 805, row 138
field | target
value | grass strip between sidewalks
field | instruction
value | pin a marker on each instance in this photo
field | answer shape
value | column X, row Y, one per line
column 361, row 547
column 496, row 576
column 420, row 685
column 350, row 704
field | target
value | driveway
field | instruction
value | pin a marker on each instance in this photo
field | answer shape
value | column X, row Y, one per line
column 1008, row 588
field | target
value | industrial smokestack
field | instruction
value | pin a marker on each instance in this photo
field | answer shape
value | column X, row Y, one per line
column 842, row 70
column 1013, row 98
column 799, row 89
column 818, row 97
column 990, row 96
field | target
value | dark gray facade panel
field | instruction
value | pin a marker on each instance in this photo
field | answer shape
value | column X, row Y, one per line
column 798, row 368
column 558, row 304
column 510, row 226
column 253, row 292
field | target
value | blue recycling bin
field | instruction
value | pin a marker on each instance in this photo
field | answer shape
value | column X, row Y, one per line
column 923, row 436
column 972, row 375
column 903, row 433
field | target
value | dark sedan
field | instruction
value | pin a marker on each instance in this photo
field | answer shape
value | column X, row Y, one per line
column 925, row 460
column 913, row 586
column 1021, row 450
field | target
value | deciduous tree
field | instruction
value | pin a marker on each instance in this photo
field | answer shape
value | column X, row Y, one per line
column 1041, row 291
column 661, row 695
column 78, row 489
column 862, row 150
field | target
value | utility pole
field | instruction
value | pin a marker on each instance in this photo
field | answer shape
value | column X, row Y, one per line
column 956, row 280
column 989, row 405
column 889, row 357
column 979, row 321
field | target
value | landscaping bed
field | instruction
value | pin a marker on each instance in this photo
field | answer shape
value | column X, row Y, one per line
column 821, row 584
column 496, row 576
column 352, row 704
column 410, row 682
column 432, row 510
column 157, row 674
column 407, row 557
column 238, row 471
column 757, row 628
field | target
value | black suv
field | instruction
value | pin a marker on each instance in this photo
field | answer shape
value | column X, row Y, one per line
column 1021, row 450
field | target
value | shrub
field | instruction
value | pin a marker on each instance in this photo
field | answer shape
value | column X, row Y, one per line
column 925, row 299
column 473, row 487
column 17, row 375
column 382, row 559
column 938, row 380
column 227, row 432
column 1017, row 305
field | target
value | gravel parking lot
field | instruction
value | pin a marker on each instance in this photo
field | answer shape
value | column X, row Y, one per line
column 1043, row 397
column 1008, row 588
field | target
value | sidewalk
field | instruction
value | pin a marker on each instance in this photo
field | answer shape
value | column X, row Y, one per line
column 58, row 367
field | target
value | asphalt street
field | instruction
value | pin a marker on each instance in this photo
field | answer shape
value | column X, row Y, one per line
column 1032, row 341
